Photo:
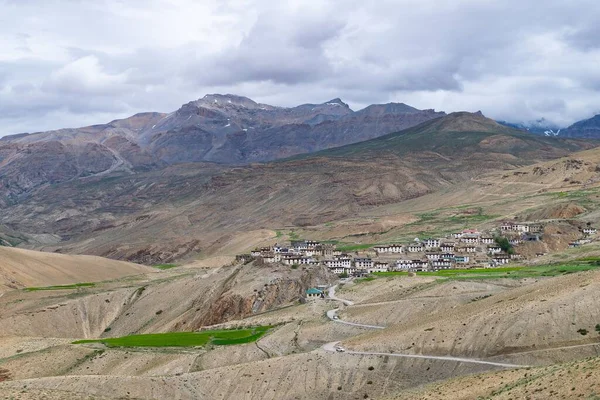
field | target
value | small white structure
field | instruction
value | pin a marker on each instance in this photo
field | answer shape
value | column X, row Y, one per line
column 494, row 250
column 590, row 231
column 314, row 293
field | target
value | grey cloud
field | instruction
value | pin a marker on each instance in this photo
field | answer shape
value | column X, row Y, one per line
column 515, row 60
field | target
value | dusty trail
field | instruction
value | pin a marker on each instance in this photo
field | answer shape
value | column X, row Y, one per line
column 333, row 346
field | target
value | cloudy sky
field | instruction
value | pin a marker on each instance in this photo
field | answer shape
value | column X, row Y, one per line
column 68, row 63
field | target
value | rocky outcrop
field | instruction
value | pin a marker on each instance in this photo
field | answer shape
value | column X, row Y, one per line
column 233, row 304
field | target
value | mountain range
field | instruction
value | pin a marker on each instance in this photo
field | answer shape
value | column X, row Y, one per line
column 588, row 128
column 162, row 214
column 225, row 129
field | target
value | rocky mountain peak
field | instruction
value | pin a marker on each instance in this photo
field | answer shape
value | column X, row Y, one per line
column 336, row 102
column 224, row 101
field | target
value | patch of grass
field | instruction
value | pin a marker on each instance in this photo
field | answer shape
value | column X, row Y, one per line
column 502, row 272
column 185, row 339
column 278, row 234
column 365, row 279
column 61, row 287
column 354, row 247
column 165, row 266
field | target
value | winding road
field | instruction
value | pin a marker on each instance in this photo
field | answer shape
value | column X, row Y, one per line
column 333, row 346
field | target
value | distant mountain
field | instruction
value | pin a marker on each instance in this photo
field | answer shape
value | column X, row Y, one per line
column 538, row 127
column 226, row 129
column 588, row 128
column 159, row 216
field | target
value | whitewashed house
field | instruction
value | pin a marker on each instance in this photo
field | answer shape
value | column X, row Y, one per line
column 431, row 243
column 462, row 259
column 436, row 265
column 470, row 239
column 433, row 256
column 378, row 267
column 447, row 247
column 389, row 248
column 501, row 259
column 494, row 250
column 487, row 240
column 363, row 263
column 338, row 262
column 415, row 248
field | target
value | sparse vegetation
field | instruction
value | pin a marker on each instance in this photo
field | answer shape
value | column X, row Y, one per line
column 185, row 339
column 165, row 266
column 501, row 272
column 582, row 331
column 504, row 244
column 347, row 248
column 61, row 287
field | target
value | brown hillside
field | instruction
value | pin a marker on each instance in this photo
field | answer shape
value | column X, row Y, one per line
column 25, row 268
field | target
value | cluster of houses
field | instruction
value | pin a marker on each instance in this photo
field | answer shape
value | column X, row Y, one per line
column 587, row 232
column 300, row 252
column 466, row 249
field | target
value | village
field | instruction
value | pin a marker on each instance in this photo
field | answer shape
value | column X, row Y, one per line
column 469, row 248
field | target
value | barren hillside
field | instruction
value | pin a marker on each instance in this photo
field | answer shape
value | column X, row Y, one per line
column 25, row 268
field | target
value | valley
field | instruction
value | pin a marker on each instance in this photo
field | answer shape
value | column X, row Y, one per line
column 125, row 284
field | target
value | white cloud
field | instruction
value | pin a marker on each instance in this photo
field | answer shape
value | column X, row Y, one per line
column 71, row 62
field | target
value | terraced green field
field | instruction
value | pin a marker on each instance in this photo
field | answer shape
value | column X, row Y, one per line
column 185, row 339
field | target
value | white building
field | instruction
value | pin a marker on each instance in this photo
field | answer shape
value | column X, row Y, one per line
column 494, row 250
column 487, row 240
column 414, row 248
column 363, row 263
column 338, row 262
column 378, row 267
column 431, row 243
column 389, row 248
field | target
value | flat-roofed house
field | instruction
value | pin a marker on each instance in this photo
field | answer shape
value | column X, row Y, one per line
column 415, row 248
column 488, row 240
column 494, row 249
column 501, row 259
column 314, row 294
column 433, row 256
column 389, row 248
column 363, row 263
column 338, row 262
column 378, row 267
column 447, row 247
column 431, row 243
column 436, row 265
column 461, row 259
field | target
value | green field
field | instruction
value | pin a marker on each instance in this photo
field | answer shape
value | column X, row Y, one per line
column 61, row 287
column 503, row 272
column 185, row 339
column 165, row 266
column 354, row 247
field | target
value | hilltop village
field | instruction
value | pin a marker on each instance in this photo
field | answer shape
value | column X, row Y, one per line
column 469, row 248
